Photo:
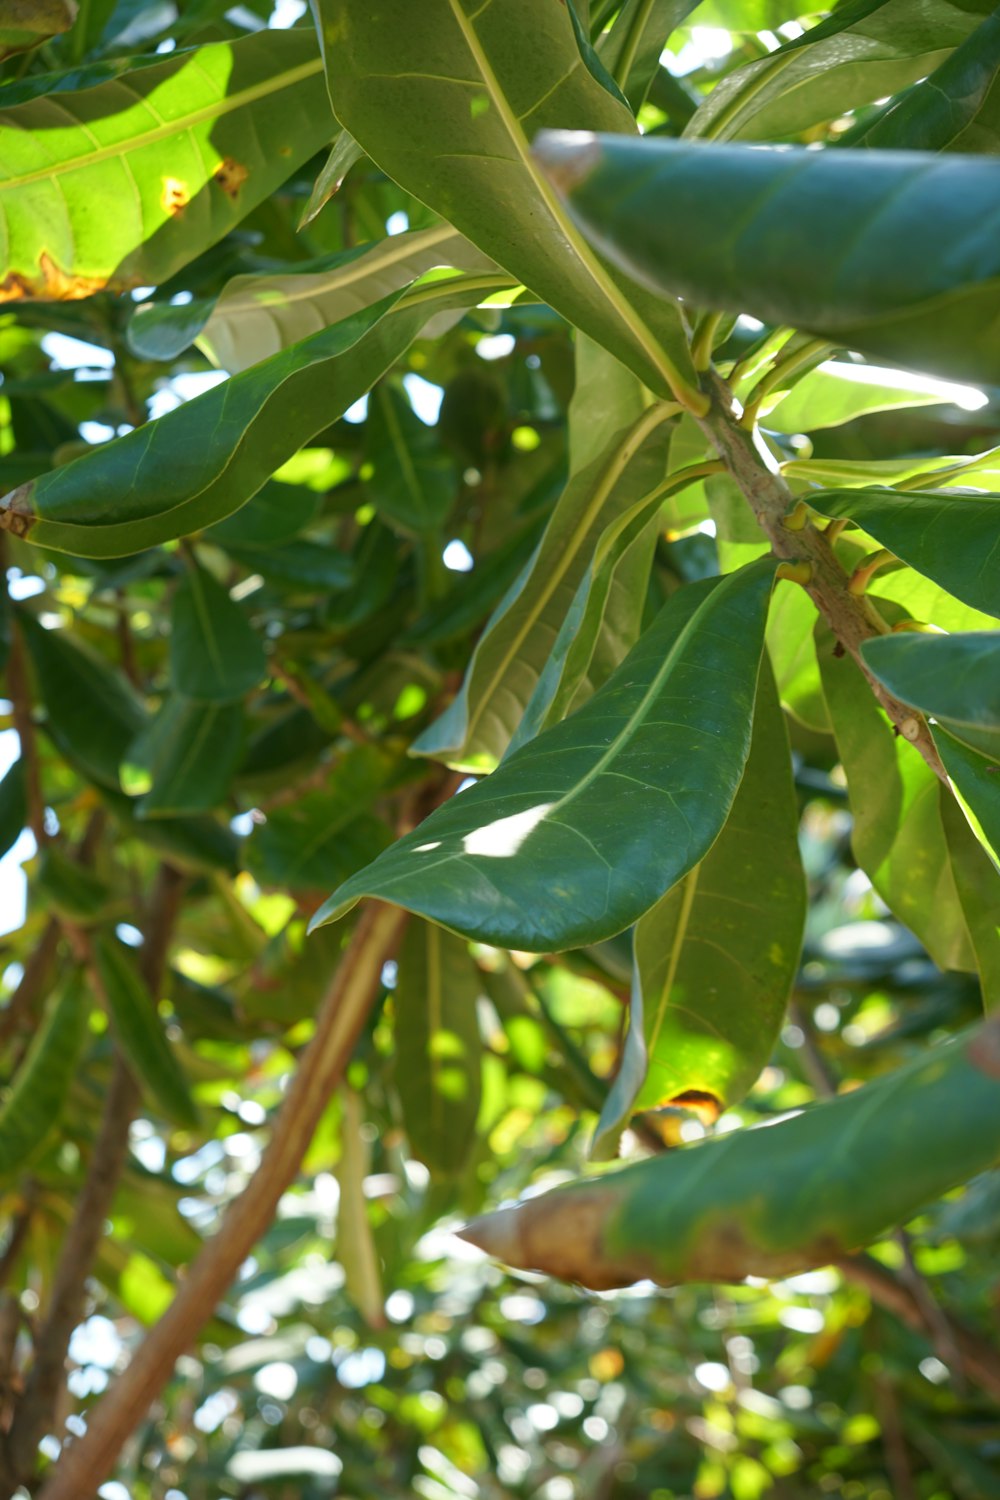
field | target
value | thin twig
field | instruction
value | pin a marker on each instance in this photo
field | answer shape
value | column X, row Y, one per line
column 355, row 985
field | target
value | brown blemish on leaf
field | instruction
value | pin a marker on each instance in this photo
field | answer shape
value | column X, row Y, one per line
column 984, row 1051
column 230, row 176
column 175, row 197
column 52, row 284
column 559, row 1234
column 705, row 1105
column 567, row 157
column 16, row 511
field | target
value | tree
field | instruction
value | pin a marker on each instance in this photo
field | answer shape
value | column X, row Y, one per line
column 461, row 591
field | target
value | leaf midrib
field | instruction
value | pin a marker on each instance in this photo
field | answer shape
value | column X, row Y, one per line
column 170, row 128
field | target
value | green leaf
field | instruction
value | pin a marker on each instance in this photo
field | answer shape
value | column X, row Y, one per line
column 897, row 837
column 276, row 514
column 344, row 154
column 976, row 782
column 200, row 463
column 977, row 882
column 256, row 316
column 200, row 845
column 438, row 1048
column 462, row 75
column 777, row 1199
column 215, row 654
column 582, row 830
column 184, row 149
column 839, row 392
column 91, row 712
column 72, row 891
column 27, row 23
column 631, row 48
column 949, row 538
column 956, row 109
column 13, row 806
column 184, row 760
column 412, row 481
column 715, row 959
column 862, row 52
column 889, row 253
column 32, row 1107
column 512, row 653
column 140, row 1032
column 954, row 677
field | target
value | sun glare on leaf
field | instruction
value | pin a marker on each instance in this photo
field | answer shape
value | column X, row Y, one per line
column 504, row 838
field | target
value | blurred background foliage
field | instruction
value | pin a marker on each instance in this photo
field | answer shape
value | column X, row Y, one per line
column 364, row 1350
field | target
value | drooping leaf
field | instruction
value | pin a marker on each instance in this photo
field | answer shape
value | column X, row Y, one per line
column 531, row 857
column 477, row 727
column 952, row 539
column 215, row 654
column 355, row 1243
column 954, row 677
column 886, row 252
column 863, row 51
column 184, row 149
column 42, row 1082
column 774, row 1200
column 412, row 481
column 452, row 123
column 897, row 836
column 630, row 49
column 438, row 1048
column 200, row 463
column 976, row 780
column 957, row 108
column 183, row 762
column 715, row 958
column 140, row 1032
column 344, row 154
column 91, row 712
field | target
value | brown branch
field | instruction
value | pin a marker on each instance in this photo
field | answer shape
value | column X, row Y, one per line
column 348, row 1000
column 44, row 1385
column 33, row 985
column 851, row 616
column 980, row 1359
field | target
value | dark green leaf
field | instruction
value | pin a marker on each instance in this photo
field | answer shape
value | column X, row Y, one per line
column 775, row 1200
column 631, row 48
column 412, row 481
column 13, row 806
column 185, row 759
column 34, row 1103
column 954, row 677
column 140, row 1032
column 887, row 252
column 215, row 654
column 582, row 830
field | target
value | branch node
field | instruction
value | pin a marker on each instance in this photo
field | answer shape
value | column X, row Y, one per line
column 797, row 519
column 863, row 574
column 796, row 572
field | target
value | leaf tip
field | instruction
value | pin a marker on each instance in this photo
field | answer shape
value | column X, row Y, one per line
column 567, row 157
column 17, row 512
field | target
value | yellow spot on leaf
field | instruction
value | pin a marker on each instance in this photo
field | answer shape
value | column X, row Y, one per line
column 175, row 196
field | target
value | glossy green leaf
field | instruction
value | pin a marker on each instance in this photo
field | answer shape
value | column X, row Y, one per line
column 839, row 392
column 957, row 108
column 184, row 149
column 200, row 463
column 438, row 1049
column 184, row 761
column 27, row 23
column 215, row 654
column 411, row 482
column 777, row 1199
column 897, row 836
column 630, row 49
column 886, row 252
column 977, row 881
column 344, row 154
column 530, row 858
column 91, row 712
column 35, row 1101
column 255, row 316
column 512, row 653
column 452, row 123
column 13, row 806
column 954, row 677
column 863, row 51
column 715, row 959
column 140, row 1032
column 952, row 539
